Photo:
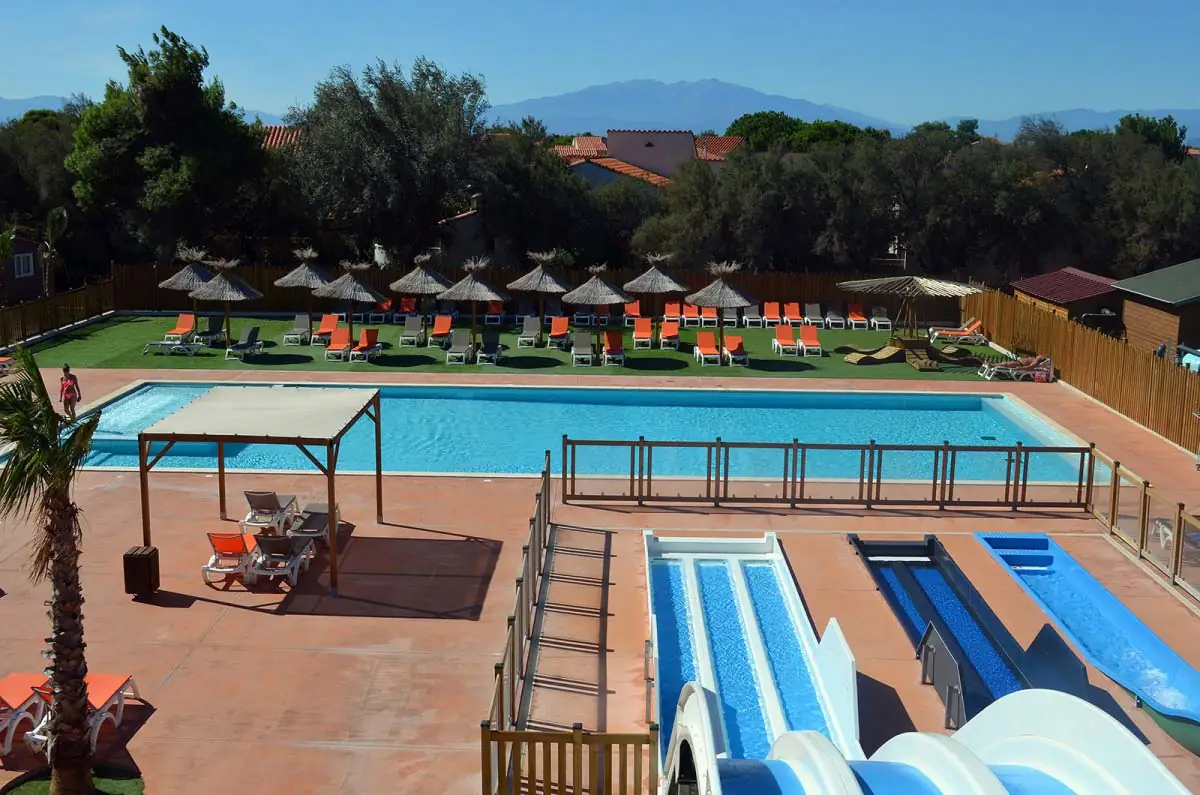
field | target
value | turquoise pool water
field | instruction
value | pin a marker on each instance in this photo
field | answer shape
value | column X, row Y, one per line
column 506, row 430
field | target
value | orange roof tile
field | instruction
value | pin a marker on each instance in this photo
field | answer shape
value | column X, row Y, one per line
column 1193, row 152
column 591, row 143
column 628, row 170
column 277, row 136
column 717, row 147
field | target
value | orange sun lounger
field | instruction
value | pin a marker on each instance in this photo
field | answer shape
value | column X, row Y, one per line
column 856, row 317
column 785, row 341
column 792, row 314
column 691, row 315
column 106, row 703
column 734, row 352
column 771, row 316
column 705, row 349
column 323, row 332
column 339, row 344
column 185, row 326
column 368, row 345
column 442, row 326
column 810, row 341
column 668, row 335
column 643, row 333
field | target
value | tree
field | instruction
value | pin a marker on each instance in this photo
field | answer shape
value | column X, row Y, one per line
column 46, row 452
column 165, row 152
column 764, row 129
column 386, row 155
column 1164, row 133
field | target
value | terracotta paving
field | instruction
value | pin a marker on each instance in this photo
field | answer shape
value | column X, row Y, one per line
column 359, row 693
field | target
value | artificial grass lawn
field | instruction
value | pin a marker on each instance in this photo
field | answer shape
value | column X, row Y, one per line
column 118, row 343
column 117, row 785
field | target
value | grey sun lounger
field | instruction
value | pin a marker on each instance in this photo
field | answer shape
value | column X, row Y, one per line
column 213, row 331
column 812, row 316
column 581, row 348
column 413, row 332
column 279, row 556
column 729, row 317
column 834, row 319
column 489, row 348
column 312, row 522
column 268, row 509
column 247, row 345
column 531, row 332
column 751, row 317
column 460, row 346
column 880, row 319
column 301, row 331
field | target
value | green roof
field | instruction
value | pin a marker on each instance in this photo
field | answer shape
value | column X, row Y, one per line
column 1176, row 285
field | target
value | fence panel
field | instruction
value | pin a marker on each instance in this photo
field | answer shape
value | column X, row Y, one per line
column 1151, row 391
column 32, row 318
column 1160, row 523
column 568, row 763
column 1188, row 557
column 1126, row 515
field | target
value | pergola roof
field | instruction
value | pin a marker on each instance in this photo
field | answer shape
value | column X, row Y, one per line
column 280, row 414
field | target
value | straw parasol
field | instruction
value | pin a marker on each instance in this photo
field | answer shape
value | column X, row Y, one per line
column 472, row 288
column 306, row 275
column 226, row 287
column 193, row 274
column 655, row 282
column 596, row 292
column 908, row 288
column 540, row 280
column 421, row 280
column 348, row 288
column 720, row 294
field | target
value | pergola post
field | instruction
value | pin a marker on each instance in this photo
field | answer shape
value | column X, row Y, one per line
column 378, row 460
column 221, row 477
column 330, row 469
column 144, row 481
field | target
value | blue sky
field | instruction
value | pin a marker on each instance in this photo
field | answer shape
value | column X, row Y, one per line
column 901, row 61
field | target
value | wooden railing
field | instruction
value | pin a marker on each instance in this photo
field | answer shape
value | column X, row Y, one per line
column 511, row 680
column 568, row 762
column 34, row 318
column 1151, row 391
column 720, row 476
column 1150, row 525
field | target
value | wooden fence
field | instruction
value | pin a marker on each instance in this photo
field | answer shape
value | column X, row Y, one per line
column 33, row 318
column 1151, row 391
column 137, row 287
column 568, row 762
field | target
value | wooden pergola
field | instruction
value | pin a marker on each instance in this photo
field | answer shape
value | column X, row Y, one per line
column 300, row 416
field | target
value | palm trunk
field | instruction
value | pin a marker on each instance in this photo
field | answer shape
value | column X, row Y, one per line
column 69, row 749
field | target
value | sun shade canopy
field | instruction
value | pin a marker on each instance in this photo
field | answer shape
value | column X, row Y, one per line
column 286, row 414
column 305, row 275
column 655, row 282
column 720, row 295
column 539, row 280
column 421, row 280
column 302, row 416
column 910, row 287
column 191, row 277
column 596, row 292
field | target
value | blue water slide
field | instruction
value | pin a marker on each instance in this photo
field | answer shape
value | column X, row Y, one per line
column 1113, row 639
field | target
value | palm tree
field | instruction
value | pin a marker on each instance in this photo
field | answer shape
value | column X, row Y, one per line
column 35, row 483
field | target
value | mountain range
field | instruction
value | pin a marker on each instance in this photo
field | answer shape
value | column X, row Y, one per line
column 703, row 105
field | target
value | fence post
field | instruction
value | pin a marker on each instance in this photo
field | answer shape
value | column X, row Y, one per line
column 514, row 666
column 485, row 756
column 1091, row 478
column 1177, row 543
column 717, row 474
column 564, row 469
column 654, row 756
column 1018, row 476
column 1114, row 496
column 867, row 470
column 641, row 476
column 795, row 476
column 577, row 761
column 1143, row 516
column 945, row 474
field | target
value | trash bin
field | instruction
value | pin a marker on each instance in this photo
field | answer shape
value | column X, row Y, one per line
column 141, row 571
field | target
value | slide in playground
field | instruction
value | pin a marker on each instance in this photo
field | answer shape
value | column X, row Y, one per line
column 749, row 701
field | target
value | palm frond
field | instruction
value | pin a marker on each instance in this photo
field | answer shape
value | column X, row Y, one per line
column 191, row 254
column 724, row 268
column 350, row 266
column 596, row 270
column 474, row 264
column 423, row 258
column 306, row 254
column 222, row 264
column 659, row 257
column 544, row 258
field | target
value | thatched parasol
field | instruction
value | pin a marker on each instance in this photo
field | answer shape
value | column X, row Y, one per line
column 908, row 288
column 540, row 280
column 473, row 289
column 226, row 287
column 305, row 276
column 596, row 292
column 720, row 294
column 347, row 287
column 655, row 282
column 421, row 280
column 193, row 274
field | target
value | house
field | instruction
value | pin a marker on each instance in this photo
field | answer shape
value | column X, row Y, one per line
column 1162, row 307
column 23, row 273
column 1068, row 292
column 651, row 156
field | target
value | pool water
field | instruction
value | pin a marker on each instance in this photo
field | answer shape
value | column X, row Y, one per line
column 505, row 430
column 677, row 659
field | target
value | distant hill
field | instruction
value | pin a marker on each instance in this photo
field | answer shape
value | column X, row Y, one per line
column 654, row 105
column 15, row 108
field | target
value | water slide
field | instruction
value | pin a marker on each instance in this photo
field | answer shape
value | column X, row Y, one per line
column 941, row 611
column 765, row 708
column 1114, row 640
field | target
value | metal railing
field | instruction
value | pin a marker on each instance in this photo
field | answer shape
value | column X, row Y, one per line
column 1149, row 525
column 930, row 474
column 511, row 680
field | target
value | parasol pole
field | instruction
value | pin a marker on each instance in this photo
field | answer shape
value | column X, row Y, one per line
column 228, row 324
column 473, row 303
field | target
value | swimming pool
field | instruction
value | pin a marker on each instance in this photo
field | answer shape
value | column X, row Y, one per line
column 504, row 430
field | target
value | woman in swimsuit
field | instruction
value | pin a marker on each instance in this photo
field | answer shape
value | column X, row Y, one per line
column 68, row 392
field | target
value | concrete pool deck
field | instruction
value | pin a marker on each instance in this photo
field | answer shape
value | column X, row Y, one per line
column 389, row 682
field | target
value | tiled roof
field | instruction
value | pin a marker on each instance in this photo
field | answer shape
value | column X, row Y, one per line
column 278, row 136
column 626, row 169
column 1064, row 286
column 458, row 217
column 655, row 132
column 717, row 147
column 1193, row 152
